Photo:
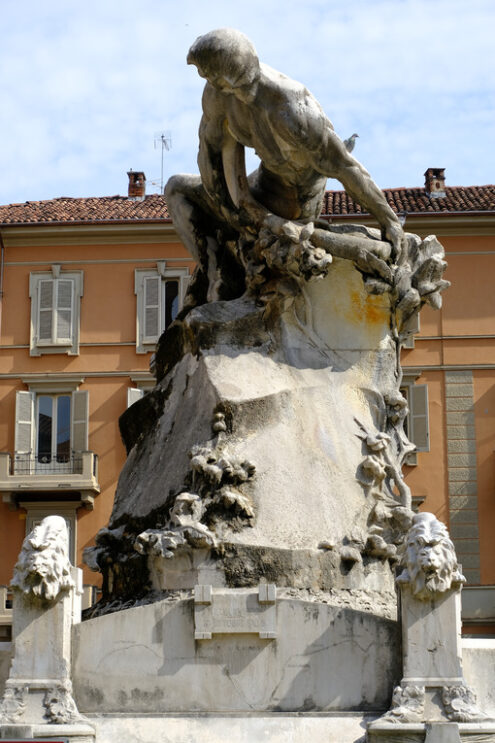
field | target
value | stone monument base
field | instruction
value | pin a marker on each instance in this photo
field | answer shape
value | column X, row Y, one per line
column 222, row 651
column 80, row 732
column 233, row 728
column 432, row 732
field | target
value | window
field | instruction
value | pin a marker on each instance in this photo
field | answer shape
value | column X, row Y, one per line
column 55, row 302
column 133, row 395
column 409, row 331
column 160, row 294
column 144, row 382
column 416, row 425
column 51, row 428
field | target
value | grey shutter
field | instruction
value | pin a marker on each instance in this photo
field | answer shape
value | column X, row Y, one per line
column 152, row 308
column 64, row 307
column 80, row 415
column 133, row 395
column 24, row 416
column 418, row 411
column 45, row 309
column 410, row 330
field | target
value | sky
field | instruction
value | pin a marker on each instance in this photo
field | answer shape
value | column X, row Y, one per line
column 87, row 88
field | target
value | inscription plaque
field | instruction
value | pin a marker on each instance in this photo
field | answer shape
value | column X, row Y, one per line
column 235, row 611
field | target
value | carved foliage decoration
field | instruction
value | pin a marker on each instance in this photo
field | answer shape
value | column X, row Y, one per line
column 429, row 561
column 43, row 569
column 60, row 706
column 460, row 704
column 381, row 476
column 13, row 704
column 213, row 499
column 407, row 704
column 287, row 249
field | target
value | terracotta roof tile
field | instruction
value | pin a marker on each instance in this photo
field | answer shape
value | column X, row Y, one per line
column 457, row 199
column 118, row 209
column 105, row 209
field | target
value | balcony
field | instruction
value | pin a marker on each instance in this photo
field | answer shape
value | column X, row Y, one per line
column 77, row 474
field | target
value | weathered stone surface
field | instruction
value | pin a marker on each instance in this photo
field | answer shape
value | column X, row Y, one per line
column 433, row 697
column 465, row 432
column 46, row 603
column 464, row 531
column 459, row 390
column 239, row 728
column 459, row 377
column 457, row 487
column 462, row 460
column 325, row 657
column 235, row 612
column 459, row 404
column 463, row 445
column 478, row 661
column 462, row 474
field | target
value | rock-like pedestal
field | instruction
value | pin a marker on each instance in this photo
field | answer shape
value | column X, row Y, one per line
column 267, row 460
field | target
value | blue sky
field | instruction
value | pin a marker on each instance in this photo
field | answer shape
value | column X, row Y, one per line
column 86, row 86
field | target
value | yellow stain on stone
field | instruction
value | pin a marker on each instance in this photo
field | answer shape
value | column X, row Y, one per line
column 368, row 307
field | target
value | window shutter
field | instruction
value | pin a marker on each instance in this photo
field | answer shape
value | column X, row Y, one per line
column 133, row 395
column 410, row 330
column 80, row 415
column 65, row 299
column 45, row 309
column 152, row 309
column 24, row 407
column 418, row 410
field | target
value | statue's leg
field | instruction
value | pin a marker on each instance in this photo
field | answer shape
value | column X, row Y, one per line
column 184, row 196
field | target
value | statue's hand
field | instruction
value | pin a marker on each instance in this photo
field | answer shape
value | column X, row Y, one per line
column 394, row 233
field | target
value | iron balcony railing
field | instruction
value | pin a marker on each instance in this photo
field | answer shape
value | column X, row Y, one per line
column 27, row 464
column 24, row 473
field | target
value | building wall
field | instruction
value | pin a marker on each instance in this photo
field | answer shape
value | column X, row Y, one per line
column 107, row 357
column 454, row 355
column 455, row 351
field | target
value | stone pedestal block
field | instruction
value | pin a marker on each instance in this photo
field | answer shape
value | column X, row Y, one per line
column 38, row 699
column 431, row 632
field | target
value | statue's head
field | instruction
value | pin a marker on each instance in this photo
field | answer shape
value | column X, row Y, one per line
column 227, row 59
column 43, row 569
column 429, row 560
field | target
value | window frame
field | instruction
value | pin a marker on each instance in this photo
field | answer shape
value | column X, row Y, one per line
column 26, row 426
column 408, row 333
column 414, row 393
column 54, row 344
column 146, row 344
column 54, row 454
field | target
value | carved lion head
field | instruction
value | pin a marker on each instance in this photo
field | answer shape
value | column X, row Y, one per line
column 429, row 560
column 43, row 569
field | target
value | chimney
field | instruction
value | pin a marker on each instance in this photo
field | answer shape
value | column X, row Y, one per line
column 435, row 182
column 137, row 185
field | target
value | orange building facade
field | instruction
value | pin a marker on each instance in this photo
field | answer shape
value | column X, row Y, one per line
column 87, row 286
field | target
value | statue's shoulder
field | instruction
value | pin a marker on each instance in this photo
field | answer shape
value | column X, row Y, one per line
column 297, row 111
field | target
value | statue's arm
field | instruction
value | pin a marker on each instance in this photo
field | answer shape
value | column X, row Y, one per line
column 210, row 159
column 221, row 162
column 337, row 163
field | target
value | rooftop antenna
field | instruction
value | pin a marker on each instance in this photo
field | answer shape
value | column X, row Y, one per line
column 164, row 141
